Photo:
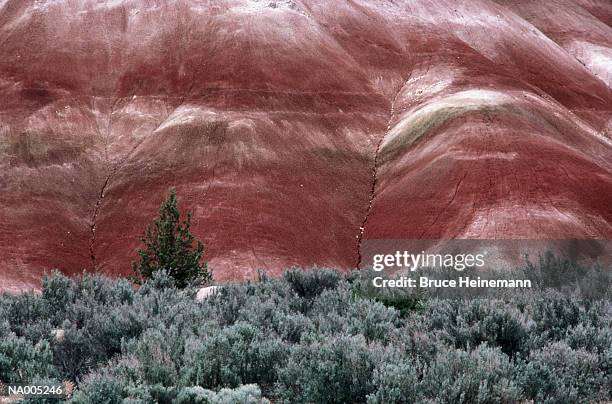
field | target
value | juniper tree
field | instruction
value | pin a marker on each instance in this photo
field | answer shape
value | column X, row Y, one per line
column 169, row 246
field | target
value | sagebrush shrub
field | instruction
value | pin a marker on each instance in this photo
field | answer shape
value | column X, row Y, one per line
column 560, row 374
column 399, row 382
column 336, row 370
column 484, row 375
column 309, row 284
column 291, row 340
column 21, row 361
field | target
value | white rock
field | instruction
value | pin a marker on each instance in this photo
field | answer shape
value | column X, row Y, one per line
column 58, row 334
column 204, row 293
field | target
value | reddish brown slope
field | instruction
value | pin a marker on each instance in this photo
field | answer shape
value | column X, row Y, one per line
column 517, row 147
column 582, row 28
column 266, row 117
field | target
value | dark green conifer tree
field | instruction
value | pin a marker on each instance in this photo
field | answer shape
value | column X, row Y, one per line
column 169, row 246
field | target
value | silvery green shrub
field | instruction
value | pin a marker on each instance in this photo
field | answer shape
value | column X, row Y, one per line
column 484, row 375
column 469, row 323
column 294, row 341
column 560, row 374
column 99, row 388
column 335, row 370
column 239, row 354
column 21, row 361
column 397, row 382
column 309, row 284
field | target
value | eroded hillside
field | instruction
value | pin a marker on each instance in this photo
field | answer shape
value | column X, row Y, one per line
column 295, row 130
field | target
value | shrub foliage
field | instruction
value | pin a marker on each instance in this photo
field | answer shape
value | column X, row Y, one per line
column 311, row 336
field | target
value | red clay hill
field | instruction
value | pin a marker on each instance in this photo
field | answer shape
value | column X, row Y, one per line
column 297, row 129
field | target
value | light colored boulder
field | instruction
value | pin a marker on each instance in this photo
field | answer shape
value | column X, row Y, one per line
column 204, row 293
column 58, row 334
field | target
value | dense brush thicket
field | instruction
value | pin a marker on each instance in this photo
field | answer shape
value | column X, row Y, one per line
column 315, row 336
